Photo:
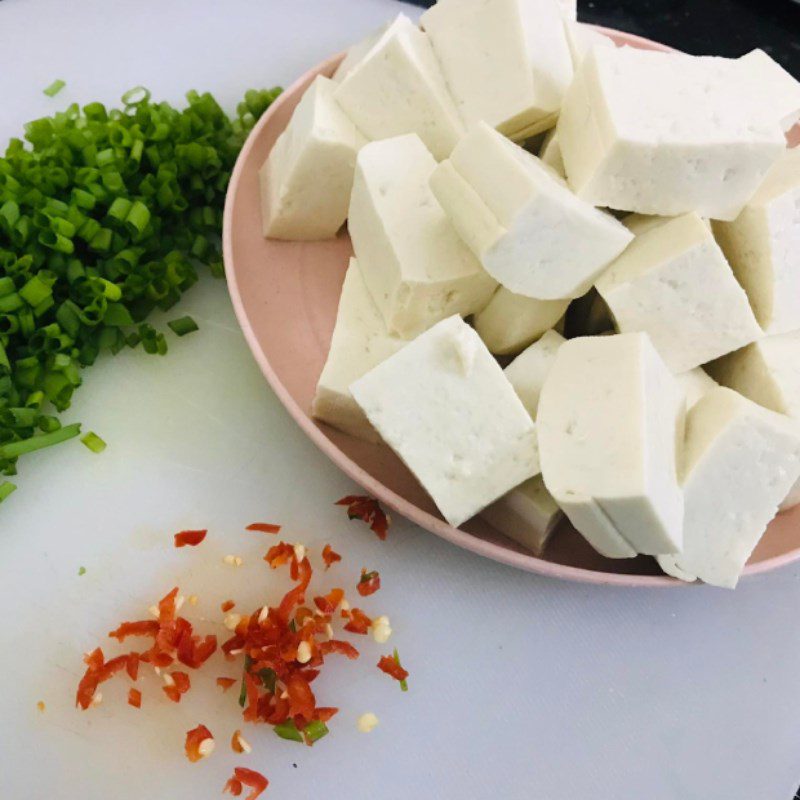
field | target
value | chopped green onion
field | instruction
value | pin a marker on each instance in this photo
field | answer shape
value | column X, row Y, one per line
column 315, row 730
column 54, row 88
column 6, row 488
column 288, row 730
column 243, row 691
column 81, row 570
column 404, row 682
column 94, row 442
column 183, row 325
column 14, row 449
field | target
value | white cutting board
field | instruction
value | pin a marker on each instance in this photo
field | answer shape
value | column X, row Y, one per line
column 521, row 688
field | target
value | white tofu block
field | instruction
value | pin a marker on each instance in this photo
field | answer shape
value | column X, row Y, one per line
column 307, row 177
column 775, row 91
column 529, row 370
column 569, row 9
column 397, row 87
column 550, row 153
column 414, row 263
column 444, row 406
column 665, row 133
column 741, row 460
column 581, row 39
column 696, row 383
column 767, row 372
column 356, row 53
column 359, row 343
column 674, row 284
column 762, row 246
column 507, row 62
column 527, row 514
column 511, row 321
column 529, row 230
column 610, row 415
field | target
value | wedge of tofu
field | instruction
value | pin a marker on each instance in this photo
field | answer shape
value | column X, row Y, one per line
column 775, row 92
column 531, row 233
column 511, row 321
column 527, row 514
column 307, row 177
column 768, row 373
column 609, row 419
column 507, row 62
column 665, row 133
column 696, row 383
column 415, row 266
column 550, row 153
column 443, row 404
column 397, row 87
column 762, row 246
column 529, row 370
column 674, row 283
column 360, row 342
column 741, row 460
column 581, row 39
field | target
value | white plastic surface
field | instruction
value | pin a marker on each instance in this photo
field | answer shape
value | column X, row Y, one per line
column 521, row 688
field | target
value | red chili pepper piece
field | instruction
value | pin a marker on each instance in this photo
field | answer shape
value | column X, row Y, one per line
column 369, row 583
column 338, row 646
column 358, row 622
column 368, row 510
column 263, row 527
column 227, row 606
column 225, row 683
column 134, row 698
column 191, row 538
column 330, row 556
column 252, row 780
column 194, row 738
column 388, row 665
column 233, row 787
column 329, row 603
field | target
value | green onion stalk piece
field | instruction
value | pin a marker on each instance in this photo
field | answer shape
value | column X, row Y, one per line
column 94, row 442
column 54, row 88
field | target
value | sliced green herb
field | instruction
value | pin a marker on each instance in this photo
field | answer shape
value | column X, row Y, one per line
column 288, row 730
column 54, row 88
column 315, row 730
column 248, row 662
column 18, row 448
column 81, row 570
column 183, row 325
column 6, row 488
column 404, row 682
column 94, row 442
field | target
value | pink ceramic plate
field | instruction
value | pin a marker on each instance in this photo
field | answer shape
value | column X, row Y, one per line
column 285, row 295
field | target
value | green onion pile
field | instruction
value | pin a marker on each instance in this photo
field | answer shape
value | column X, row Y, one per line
column 105, row 215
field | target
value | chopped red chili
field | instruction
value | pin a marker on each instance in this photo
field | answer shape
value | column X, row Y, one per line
column 225, row 683
column 329, row 556
column 368, row 510
column 134, row 698
column 263, row 527
column 369, row 583
column 227, row 606
column 191, row 538
column 358, row 621
column 194, row 742
column 249, row 778
column 390, row 666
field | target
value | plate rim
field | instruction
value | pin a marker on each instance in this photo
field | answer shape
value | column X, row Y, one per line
column 527, row 562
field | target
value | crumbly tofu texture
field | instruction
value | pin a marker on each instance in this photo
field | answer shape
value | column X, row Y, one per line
column 307, row 177
column 414, row 263
column 511, row 321
column 506, row 62
column 674, row 283
column 762, row 246
column 665, row 133
column 741, row 460
column 529, row 370
column 521, row 220
column 610, row 400
column 360, row 342
column 528, row 515
column 397, row 87
column 443, row 404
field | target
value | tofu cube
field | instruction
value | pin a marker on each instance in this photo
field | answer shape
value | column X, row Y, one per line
column 529, row 370
column 740, row 462
column 775, row 92
column 528, row 515
column 665, row 133
column 443, row 404
column 581, row 38
column 609, row 419
column 414, row 263
column 674, row 283
column 507, row 62
column 360, row 342
column 762, row 246
column 531, row 233
column 696, row 383
column 307, row 177
column 511, row 321
column 397, row 87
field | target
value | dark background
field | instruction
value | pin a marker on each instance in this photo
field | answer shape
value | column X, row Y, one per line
column 704, row 27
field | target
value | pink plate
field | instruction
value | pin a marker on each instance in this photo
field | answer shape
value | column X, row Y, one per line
column 285, row 295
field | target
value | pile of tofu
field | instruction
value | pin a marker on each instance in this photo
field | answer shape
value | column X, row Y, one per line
column 576, row 282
